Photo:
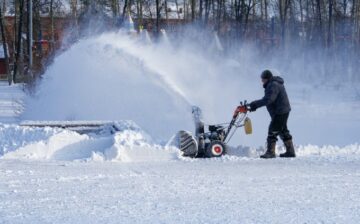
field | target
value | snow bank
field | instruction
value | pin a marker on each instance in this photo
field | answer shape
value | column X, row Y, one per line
column 13, row 137
column 129, row 144
column 50, row 148
column 132, row 146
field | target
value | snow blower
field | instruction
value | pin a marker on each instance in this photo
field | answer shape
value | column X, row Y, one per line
column 212, row 143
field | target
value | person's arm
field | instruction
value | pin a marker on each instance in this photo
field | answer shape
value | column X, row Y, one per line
column 270, row 95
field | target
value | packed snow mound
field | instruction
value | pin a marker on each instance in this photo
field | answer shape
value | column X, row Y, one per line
column 129, row 144
column 13, row 137
column 132, row 146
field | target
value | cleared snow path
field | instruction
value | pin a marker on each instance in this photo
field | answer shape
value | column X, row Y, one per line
column 10, row 102
column 303, row 190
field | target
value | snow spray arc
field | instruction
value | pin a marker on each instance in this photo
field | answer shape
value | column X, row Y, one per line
column 114, row 76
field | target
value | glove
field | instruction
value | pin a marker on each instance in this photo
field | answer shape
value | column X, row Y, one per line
column 253, row 106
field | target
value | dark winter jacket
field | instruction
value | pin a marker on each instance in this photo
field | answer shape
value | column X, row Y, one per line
column 275, row 99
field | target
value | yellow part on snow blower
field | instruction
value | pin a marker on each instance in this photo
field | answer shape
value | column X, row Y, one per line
column 247, row 126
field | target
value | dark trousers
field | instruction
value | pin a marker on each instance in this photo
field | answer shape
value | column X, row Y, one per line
column 278, row 126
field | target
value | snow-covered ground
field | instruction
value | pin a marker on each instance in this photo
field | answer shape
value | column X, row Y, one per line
column 308, row 189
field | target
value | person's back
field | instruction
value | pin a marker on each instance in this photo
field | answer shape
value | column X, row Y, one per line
column 281, row 104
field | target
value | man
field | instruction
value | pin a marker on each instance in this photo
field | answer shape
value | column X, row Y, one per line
column 278, row 106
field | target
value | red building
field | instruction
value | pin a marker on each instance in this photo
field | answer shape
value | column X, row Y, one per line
column 43, row 45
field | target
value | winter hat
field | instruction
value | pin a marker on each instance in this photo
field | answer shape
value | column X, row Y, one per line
column 266, row 74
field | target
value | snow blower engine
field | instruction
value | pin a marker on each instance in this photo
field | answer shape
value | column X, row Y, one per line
column 213, row 143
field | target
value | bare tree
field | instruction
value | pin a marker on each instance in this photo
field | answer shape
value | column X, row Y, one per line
column 284, row 6
column 18, row 55
column 4, row 44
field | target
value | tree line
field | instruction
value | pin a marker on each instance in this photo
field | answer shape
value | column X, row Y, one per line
column 326, row 30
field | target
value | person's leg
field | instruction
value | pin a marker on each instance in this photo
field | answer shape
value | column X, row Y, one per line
column 287, row 139
column 285, row 134
column 275, row 128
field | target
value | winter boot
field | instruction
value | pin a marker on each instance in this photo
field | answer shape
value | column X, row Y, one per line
column 290, row 152
column 270, row 152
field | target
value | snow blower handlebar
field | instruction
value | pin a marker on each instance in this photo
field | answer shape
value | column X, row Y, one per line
column 243, row 108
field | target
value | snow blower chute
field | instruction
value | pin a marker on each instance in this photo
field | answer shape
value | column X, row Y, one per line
column 212, row 143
